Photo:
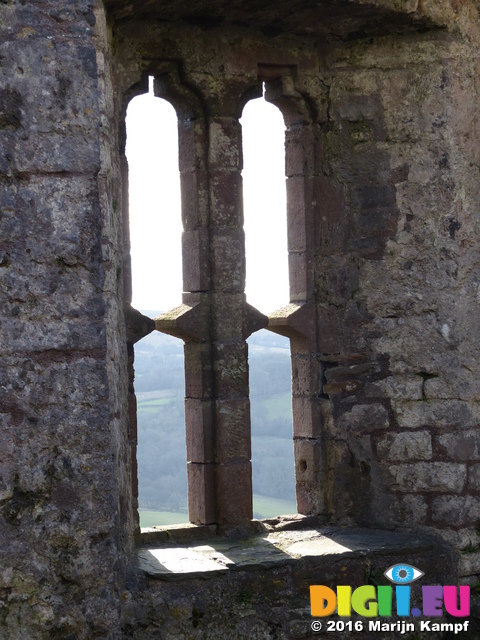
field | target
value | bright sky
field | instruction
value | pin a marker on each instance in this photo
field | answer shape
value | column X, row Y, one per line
column 155, row 220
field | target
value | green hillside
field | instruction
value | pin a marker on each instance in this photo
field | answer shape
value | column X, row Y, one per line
column 263, row 507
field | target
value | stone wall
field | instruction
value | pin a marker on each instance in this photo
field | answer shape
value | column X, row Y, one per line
column 65, row 504
column 381, row 103
column 401, row 298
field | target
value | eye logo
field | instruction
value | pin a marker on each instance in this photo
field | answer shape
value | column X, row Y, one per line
column 403, row 574
column 373, row 602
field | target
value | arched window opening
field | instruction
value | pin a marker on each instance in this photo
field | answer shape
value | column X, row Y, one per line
column 264, row 202
column 155, row 240
column 154, row 202
column 267, row 288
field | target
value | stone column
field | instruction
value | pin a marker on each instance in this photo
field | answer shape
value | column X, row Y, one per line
column 214, row 320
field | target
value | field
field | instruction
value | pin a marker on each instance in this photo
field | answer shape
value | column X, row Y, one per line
column 263, row 507
column 267, row 507
column 156, row 518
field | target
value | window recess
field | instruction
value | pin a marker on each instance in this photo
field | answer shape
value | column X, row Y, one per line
column 214, row 319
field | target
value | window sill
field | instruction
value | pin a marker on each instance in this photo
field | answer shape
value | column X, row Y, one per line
column 187, row 552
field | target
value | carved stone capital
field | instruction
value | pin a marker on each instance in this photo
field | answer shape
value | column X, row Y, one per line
column 295, row 319
column 187, row 321
column 137, row 325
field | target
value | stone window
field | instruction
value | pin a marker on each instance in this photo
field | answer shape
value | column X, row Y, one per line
column 214, row 318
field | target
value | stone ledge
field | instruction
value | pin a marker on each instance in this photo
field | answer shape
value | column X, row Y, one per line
column 176, row 533
column 216, row 556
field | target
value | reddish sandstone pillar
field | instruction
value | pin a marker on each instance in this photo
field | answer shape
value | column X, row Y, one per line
column 214, row 320
column 232, row 322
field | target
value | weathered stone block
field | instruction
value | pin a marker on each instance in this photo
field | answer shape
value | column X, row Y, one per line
column 231, row 369
column 300, row 225
column 132, row 418
column 311, row 497
column 192, row 139
column 64, row 78
column 233, row 430
column 329, row 334
column 474, row 477
column 436, row 413
column 408, row 445
column 429, row 476
column 364, row 417
column 253, row 320
column 199, row 430
column 456, row 511
column 308, row 461
column 225, row 143
column 137, row 326
column 226, row 199
column 457, row 384
column 64, row 210
column 400, row 387
column 374, row 227
column 307, row 417
column 59, row 335
column 234, row 493
column 305, row 374
column 296, row 321
column 65, row 67
column 201, row 493
column 414, row 509
column 374, row 197
column 227, row 315
column 228, row 260
column 351, row 372
column 195, row 260
column 461, row 445
column 300, row 278
column 51, row 154
column 465, row 539
column 469, row 564
column 299, row 151
column 403, row 120
column 358, row 108
column 194, row 197
column 198, row 371
column 189, row 321
column 337, row 280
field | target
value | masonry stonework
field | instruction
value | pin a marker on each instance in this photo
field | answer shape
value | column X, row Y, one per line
column 381, row 103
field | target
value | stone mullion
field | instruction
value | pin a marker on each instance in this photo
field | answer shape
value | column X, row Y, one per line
column 230, row 357
column 197, row 336
column 214, row 320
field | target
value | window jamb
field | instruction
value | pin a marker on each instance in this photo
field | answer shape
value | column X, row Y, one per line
column 213, row 498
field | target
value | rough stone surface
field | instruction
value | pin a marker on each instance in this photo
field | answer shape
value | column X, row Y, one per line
column 260, row 586
column 265, row 551
column 434, row 476
column 409, row 445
